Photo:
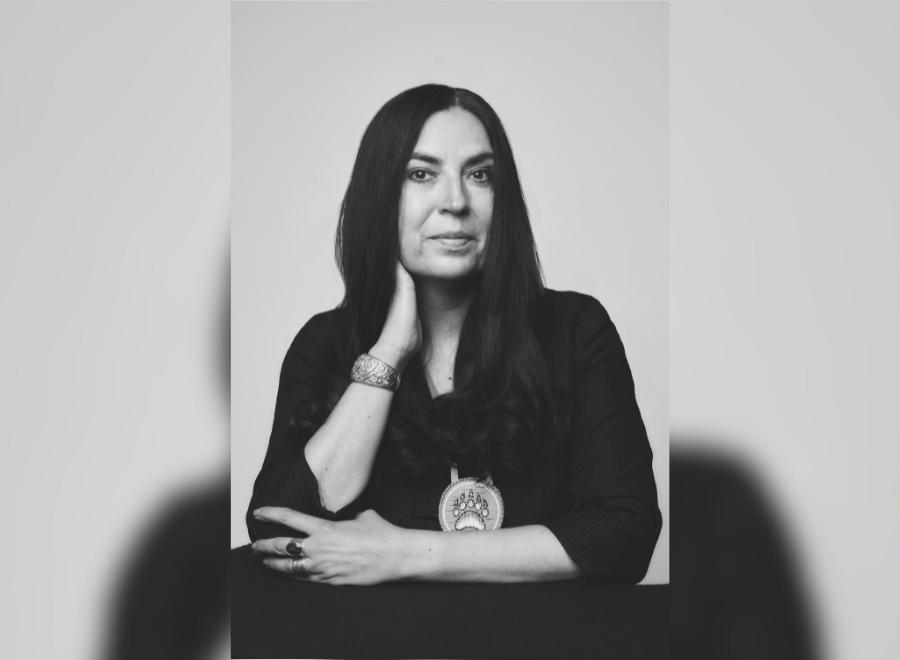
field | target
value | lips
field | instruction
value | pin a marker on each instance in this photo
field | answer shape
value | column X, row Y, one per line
column 454, row 234
column 453, row 240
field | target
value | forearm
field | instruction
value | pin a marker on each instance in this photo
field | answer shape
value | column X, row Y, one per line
column 342, row 452
column 518, row 554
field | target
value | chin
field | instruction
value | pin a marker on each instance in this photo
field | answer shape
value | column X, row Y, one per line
column 447, row 271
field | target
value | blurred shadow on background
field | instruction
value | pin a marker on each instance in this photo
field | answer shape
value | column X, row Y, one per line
column 171, row 600
column 736, row 589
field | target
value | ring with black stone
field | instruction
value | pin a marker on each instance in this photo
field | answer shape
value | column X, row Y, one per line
column 295, row 548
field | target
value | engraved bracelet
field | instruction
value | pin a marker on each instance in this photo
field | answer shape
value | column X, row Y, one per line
column 369, row 370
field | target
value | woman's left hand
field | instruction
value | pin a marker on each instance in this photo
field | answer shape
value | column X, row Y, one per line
column 366, row 550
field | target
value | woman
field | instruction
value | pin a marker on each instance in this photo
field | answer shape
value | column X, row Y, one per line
column 451, row 390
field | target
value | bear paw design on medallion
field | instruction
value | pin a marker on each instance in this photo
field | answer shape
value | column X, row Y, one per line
column 470, row 510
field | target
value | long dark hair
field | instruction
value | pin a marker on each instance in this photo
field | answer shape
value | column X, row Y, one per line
column 499, row 408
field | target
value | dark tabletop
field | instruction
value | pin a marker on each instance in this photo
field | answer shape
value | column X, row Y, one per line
column 276, row 617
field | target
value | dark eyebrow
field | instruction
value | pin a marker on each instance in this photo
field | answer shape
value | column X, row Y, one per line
column 477, row 158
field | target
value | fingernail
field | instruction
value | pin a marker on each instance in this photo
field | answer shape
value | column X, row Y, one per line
column 257, row 513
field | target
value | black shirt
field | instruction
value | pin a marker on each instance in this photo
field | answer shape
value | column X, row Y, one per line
column 593, row 487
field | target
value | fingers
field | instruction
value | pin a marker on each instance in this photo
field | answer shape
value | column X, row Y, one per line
column 304, row 569
column 302, row 522
column 301, row 569
column 295, row 567
column 284, row 546
column 286, row 559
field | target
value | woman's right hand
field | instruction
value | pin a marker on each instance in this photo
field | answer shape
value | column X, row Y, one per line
column 401, row 336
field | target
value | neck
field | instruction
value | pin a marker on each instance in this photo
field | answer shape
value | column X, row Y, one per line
column 442, row 308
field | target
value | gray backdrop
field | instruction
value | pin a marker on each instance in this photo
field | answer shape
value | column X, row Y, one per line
column 582, row 90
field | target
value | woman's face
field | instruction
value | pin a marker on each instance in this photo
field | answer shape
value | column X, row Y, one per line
column 448, row 197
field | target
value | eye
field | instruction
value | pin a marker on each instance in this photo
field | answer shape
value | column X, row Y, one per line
column 481, row 176
column 419, row 175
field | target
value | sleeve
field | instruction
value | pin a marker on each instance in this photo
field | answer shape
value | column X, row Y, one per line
column 612, row 527
column 286, row 478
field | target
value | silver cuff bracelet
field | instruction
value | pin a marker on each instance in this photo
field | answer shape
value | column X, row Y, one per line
column 369, row 370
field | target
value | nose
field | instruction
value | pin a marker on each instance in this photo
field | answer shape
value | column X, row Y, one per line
column 455, row 201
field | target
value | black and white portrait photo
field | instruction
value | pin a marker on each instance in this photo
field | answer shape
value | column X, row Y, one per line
column 462, row 320
column 449, row 327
